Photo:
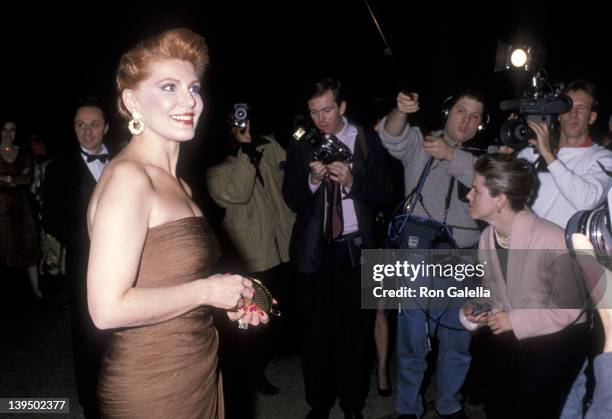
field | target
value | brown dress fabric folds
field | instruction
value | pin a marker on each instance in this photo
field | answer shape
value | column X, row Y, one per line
column 167, row 370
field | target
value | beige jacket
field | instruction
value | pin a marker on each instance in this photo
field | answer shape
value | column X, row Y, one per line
column 256, row 217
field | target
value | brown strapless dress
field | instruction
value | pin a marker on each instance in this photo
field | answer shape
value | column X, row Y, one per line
column 167, row 370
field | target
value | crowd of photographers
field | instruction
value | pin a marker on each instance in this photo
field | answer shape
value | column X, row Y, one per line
column 335, row 180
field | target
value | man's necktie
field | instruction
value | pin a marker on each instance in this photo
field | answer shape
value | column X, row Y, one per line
column 91, row 157
column 337, row 224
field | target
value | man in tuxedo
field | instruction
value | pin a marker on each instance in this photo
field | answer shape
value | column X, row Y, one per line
column 69, row 183
column 336, row 204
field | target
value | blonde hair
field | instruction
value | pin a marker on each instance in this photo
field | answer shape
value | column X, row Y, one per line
column 134, row 65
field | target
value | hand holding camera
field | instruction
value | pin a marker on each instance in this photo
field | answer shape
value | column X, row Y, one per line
column 317, row 172
column 341, row 173
column 408, row 102
column 243, row 135
column 542, row 141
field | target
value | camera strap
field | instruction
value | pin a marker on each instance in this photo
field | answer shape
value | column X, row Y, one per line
column 447, row 201
column 362, row 143
column 255, row 156
column 415, row 195
column 407, row 205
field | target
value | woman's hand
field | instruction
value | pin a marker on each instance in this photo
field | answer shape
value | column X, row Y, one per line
column 234, row 293
column 499, row 322
column 227, row 291
column 481, row 318
column 249, row 315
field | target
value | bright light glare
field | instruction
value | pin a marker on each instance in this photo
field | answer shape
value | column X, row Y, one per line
column 518, row 58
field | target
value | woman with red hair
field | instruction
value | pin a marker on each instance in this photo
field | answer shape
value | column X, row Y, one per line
column 153, row 252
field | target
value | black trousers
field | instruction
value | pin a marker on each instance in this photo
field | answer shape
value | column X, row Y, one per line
column 532, row 378
column 337, row 335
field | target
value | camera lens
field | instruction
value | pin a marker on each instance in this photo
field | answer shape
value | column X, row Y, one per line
column 595, row 225
column 240, row 114
column 515, row 133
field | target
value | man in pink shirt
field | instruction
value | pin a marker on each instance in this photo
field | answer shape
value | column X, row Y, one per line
column 336, row 202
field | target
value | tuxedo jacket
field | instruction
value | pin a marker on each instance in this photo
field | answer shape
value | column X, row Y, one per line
column 67, row 189
column 372, row 188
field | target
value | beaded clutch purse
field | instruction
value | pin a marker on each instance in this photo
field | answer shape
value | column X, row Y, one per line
column 262, row 299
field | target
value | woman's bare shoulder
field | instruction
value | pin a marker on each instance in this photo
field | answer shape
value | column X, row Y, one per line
column 124, row 175
column 123, row 180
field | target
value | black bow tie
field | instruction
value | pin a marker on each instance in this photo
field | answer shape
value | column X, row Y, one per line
column 91, row 157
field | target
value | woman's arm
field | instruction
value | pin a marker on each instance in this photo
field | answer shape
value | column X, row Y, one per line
column 119, row 223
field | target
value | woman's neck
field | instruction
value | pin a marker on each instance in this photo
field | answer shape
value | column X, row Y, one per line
column 157, row 151
column 503, row 222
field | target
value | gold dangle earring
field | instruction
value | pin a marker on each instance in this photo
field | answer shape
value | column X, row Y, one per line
column 136, row 124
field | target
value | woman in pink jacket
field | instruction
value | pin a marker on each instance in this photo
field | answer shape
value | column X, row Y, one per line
column 537, row 295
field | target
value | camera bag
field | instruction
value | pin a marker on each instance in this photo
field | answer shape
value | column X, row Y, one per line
column 407, row 231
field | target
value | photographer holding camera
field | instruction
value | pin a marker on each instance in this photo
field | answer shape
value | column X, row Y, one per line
column 336, row 202
column 257, row 220
column 443, row 199
column 575, row 176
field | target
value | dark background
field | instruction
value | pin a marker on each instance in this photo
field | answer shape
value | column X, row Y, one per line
column 264, row 54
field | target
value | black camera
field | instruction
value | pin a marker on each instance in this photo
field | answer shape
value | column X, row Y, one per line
column 240, row 116
column 540, row 103
column 328, row 149
column 595, row 225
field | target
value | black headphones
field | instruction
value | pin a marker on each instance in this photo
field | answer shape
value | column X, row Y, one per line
column 450, row 101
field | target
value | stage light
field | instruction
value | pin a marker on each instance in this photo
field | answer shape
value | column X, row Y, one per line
column 509, row 56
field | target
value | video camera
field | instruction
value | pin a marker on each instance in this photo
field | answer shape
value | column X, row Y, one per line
column 328, row 149
column 541, row 102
